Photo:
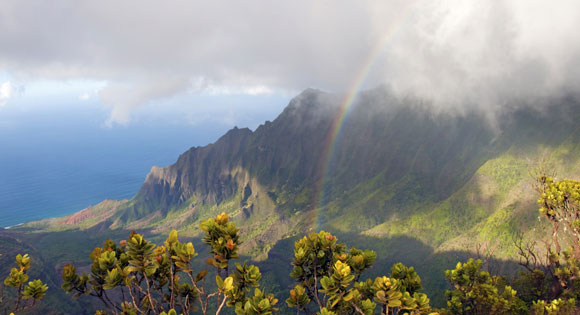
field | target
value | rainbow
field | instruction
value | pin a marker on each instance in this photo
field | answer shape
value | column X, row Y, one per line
column 345, row 108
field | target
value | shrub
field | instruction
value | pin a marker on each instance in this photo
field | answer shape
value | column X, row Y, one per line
column 327, row 277
column 32, row 292
column 139, row 277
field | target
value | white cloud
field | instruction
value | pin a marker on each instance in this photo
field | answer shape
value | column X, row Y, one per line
column 486, row 52
column 84, row 97
column 451, row 51
column 6, row 92
column 258, row 90
column 229, row 90
column 125, row 97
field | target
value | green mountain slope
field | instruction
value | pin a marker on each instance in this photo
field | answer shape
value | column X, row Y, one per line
column 420, row 186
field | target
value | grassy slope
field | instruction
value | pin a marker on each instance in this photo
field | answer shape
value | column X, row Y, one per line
column 495, row 205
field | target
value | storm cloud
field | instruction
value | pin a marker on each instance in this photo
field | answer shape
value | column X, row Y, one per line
column 451, row 52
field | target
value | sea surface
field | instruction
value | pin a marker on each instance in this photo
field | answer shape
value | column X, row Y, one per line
column 51, row 166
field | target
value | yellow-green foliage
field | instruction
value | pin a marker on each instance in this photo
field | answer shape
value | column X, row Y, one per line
column 138, row 271
column 506, row 171
column 34, row 291
column 559, row 203
column 501, row 228
column 477, row 292
column 559, row 199
column 327, row 276
column 554, row 307
column 488, row 208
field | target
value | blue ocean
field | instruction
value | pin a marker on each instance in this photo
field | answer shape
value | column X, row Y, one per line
column 50, row 171
column 42, row 177
column 52, row 165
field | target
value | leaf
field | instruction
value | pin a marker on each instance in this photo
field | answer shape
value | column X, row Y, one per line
column 349, row 296
column 201, row 275
column 394, row 303
column 264, row 304
column 211, row 262
column 171, row 239
column 219, row 281
column 228, row 283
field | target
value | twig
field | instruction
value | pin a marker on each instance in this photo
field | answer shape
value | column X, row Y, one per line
column 316, row 286
column 149, row 294
column 357, row 308
column 135, row 303
column 200, row 292
column 222, row 304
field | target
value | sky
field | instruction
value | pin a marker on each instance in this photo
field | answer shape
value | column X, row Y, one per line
column 240, row 62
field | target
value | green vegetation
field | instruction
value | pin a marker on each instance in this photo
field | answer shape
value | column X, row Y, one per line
column 138, row 277
column 328, row 275
column 556, row 275
column 396, row 171
column 478, row 292
column 424, row 189
column 31, row 293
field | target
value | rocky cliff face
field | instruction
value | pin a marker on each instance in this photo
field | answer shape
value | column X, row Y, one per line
column 203, row 171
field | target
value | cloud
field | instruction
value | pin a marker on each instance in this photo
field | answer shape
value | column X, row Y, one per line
column 453, row 52
column 258, row 90
column 243, row 90
column 84, row 97
column 6, row 92
column 123, row 98
column 487, row 53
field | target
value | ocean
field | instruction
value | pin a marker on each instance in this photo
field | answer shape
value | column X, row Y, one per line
column 54, row 167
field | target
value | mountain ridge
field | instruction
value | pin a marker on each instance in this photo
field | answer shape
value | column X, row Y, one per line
column 393, row 161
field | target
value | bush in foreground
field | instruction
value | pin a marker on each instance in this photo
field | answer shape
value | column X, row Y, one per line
column 138, row 277
column 327, row 276
column 31, row 293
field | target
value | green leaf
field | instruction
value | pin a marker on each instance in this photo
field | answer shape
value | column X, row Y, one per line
column 228, row 284
column 220, row 282
column 394, row 303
